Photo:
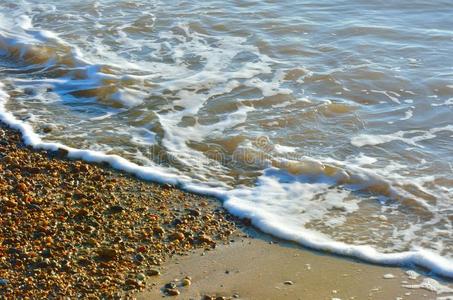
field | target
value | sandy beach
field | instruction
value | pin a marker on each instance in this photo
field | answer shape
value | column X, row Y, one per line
column 257, row 268
column 71, row 229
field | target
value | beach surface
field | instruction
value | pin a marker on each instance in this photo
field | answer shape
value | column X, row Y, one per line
column 254, row 267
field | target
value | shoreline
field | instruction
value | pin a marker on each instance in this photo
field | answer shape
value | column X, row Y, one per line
column 124, row 229
column 258, row 266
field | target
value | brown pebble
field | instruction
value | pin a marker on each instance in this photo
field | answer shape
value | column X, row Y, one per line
column 172, row 292
column 107, row 253
column 186, row 282
column 22, row 187
column 158, row 230
column 178, row 236
column 153, row 272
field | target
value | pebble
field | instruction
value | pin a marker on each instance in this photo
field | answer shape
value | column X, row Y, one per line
column 139, row 257
column 141, row 276
column 172, row 292
column 153, row 272
column 132, row 282
column 170, row 285
column 205, row 239
column 194, row 212
column 158, row 230
column 178, row 236
column 288, row 282
column 107, row 253
column 116, row 209
column 186, row 282
column 47, row 129
column 3, row 282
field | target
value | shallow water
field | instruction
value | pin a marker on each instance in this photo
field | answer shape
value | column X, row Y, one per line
column 321, row 121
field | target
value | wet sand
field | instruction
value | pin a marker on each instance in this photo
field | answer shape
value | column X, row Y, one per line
column 256, row 268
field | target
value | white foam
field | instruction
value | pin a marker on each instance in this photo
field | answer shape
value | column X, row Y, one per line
column 407, row 115
column 377, row 139
column 412, row 274
column 285, row 149
column 430, row 284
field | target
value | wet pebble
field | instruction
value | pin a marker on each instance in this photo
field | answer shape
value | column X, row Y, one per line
column 153, row 272
column 186, row 282
column 141, row 276
column 172, row 292
column 170, row 285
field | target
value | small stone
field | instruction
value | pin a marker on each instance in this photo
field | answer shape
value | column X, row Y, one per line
column 170, row 285
column 178, row 236
column 172, row 292
column 139, row 258
column 3, row 282
column 158, row 230
column 132, row 282
column 205, row 239
column 22, row 187
column 194, row 212
column 116, row 209
column 186, row 282
column 141, row 249
column 62, row 152
column 46, row 253
column 141, row 276
column 47, row 128
column 288, row 282
column 153, row 272
column 107, row 254
column 220, row 298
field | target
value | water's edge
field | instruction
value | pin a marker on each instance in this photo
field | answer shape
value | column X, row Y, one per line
column 421, row 258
